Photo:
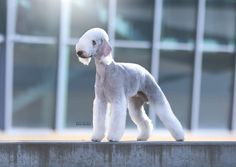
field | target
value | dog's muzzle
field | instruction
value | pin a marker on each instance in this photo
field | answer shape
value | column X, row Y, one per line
column 82, row 55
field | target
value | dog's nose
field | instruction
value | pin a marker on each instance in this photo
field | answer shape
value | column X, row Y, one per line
column 79, row 53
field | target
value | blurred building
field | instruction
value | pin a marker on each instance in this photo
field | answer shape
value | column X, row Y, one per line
column 188, row 45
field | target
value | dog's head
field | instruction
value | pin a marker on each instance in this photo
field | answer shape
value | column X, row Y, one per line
column 93, row 43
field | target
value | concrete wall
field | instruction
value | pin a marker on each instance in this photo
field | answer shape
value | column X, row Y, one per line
column 123, row 154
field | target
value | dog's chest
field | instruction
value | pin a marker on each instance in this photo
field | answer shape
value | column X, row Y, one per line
column 114, row 84
column 109, row 85
column 108, row 82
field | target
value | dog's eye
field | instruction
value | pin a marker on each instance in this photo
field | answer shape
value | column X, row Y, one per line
column 94, row 42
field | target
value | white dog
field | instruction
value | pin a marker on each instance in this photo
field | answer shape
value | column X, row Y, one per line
column 123, row 85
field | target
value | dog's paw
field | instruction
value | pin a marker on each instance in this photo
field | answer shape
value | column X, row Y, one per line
column 94, row 140
column 143, row 138
column 143, row 135
column 145, row 130
column 113, row 138
column 97, row 137
column 180, row 140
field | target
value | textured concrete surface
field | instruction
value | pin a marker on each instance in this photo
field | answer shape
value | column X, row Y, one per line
column 122, row 154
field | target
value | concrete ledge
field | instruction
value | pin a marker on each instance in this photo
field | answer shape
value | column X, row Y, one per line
column 122, row 154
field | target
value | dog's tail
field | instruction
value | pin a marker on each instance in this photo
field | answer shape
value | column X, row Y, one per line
column 163, row 110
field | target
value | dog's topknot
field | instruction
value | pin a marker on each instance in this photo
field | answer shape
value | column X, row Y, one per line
column 98, row 33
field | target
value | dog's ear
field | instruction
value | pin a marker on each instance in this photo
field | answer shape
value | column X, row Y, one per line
column 106, row 48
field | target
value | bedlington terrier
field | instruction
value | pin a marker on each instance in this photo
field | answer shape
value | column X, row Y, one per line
column 122, row 85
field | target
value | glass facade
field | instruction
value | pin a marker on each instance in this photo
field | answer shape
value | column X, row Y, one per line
column 175, row 79
column 82, row 19
column 37, row 17
column 179, row 21
column 134, row 20
column 2, row 17
column 34, row 85
column 220, row 23
column 217, row 90
column 39, row 42
column 134, row 55
column 80, row 92
column 218, row 65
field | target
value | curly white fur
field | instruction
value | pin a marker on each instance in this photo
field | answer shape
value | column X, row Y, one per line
column 123, row 85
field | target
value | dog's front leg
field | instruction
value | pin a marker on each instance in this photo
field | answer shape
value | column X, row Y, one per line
column 117, row 120
column 99, row 115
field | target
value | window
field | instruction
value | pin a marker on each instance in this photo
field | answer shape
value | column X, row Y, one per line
column 86, row 14
column 133, row 55
column 220, row 25
column 179, row 22
column 81, row 78
column 177, row 55
column 218, row 65
column 37, row 17
column 2, row 16
column 80, row 92
column 34, row 85
column 216, row 90
column 175, row 79
column 134, row 20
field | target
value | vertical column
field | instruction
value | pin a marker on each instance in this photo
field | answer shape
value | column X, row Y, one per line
column 112, row 21
column 2, row 75
column 198, row 64
column 10, row 31
column 157, row 24
column 63, row 63
column 233, row 120
column 2, row 83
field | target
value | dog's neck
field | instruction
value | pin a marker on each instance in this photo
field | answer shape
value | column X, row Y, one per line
column 103, row 62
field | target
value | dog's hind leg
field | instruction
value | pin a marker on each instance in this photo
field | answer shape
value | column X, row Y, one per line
column 139, row 117
column 166, row 115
